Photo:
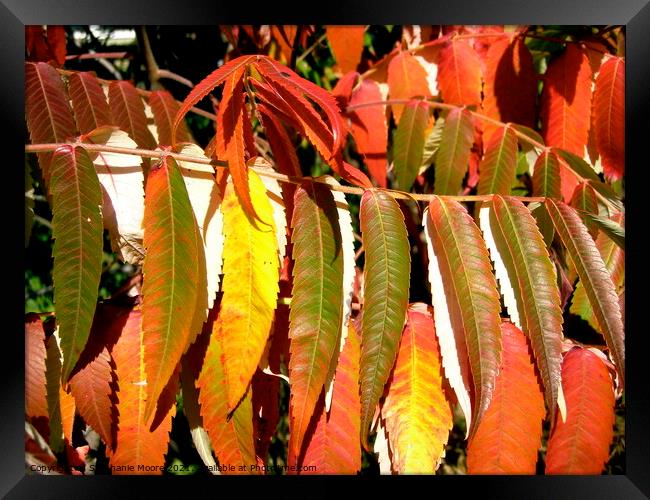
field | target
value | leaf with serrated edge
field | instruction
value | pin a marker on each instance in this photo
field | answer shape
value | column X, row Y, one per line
column 250, row 286
column 452, row 348
column 614, row 257
column 127, row 112
column 136, row 443
column 416, row 412
column 472, row 296
column 499, row 163
column 122, row 183
column 35, row 382
column 78, row 242
column 593, row 273
column 386, row 274
column 232, row 439
column 459, row 75
column 170, row 276
column 274, row 193
column 88, row 102
column 409, row 143
column 510, row 435
column 452, row 157
column 205, row 198
column 528, row 283
column 317, row 302
column 164, row 108
column 609, row 116
column 349, row 263
column 49, row 117
column 334, row 446
column 406, row 79
column 581, row 444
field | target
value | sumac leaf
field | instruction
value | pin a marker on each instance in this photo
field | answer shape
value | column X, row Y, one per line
column 406, row 79
column 452, row 157
column 88, row 102
column 409, row 143
column 609, row 116
column 459, row 74
column 499, row 164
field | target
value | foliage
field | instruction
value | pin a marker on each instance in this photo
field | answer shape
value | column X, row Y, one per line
column 268, row 305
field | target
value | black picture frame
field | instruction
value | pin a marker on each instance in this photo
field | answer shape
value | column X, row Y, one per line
column 634, row 14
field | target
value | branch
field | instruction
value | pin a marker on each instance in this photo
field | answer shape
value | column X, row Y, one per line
column 401, row 195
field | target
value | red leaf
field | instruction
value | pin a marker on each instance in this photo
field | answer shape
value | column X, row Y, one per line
column 56, row 40
column 164, row 108
column 284, row 77
column 581, row 444
column 127, row 112
column 510, row 84
column 406, row 79
column 343, row 88
column 35, row 383
column 566, row 101
column 230, row 136
column 90, row 384
column 510, row 433
column 459, row 74
column 36, row 44
column 283, row 149
column 208, row 84
column 347, row 45
column 88, row 102
column 334, row 445
column 609, row 116
column 49, row 117
column 370, row 129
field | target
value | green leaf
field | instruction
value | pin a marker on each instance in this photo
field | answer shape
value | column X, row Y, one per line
column 546, row 183
column 317, row 304
column 77, row 229
column 432, row 143
column 409, row 143
column 584, row 200
column 386, row 275
column 614, row 231
column 522, row 262
column 594, row 276
column 471, row 296
column 170, row 272
column 497, row 168
column 453, row 154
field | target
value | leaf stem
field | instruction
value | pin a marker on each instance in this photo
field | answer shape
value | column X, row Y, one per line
column 402, row 195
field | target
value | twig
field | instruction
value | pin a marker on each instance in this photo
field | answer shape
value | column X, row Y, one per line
column 95, row 55
column 41, row 148
column 170, row 75
column 310, row 49
column 42, row 221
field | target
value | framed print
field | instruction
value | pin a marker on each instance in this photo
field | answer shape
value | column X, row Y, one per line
column 386, row 245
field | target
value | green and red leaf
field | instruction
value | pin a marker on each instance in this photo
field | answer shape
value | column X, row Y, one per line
column 386, row 290
column 164, row 108
column 88, row 102
column 317, row 304
column 77, row 229
column 35, row 382
column 594, row 276
column 453, row 154
column 408, row 146
column 127, row 112
column 499, row 164
column 528, row 284
column 170, row 276
column 471, row 294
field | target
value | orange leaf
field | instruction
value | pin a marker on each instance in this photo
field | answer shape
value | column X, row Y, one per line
column 581, row 444
column 347, row 45
column 510, row 434
column 459, row 74
column 370, row 129
column 334, row 445
column 416, row 412
column 135, row 444
column 566, row 101
column 510, row 84
column 609, row 116
column 406, row 79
